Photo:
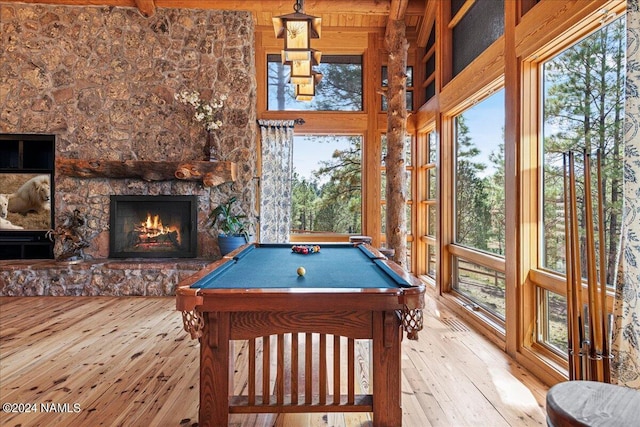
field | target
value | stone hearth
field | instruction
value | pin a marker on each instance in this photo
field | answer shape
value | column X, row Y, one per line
column 98, row 277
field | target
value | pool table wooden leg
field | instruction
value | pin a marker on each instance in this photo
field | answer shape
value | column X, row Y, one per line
column 214, row 370
column 387, row 334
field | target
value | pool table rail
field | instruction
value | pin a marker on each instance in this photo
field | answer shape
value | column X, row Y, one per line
column 285, row 299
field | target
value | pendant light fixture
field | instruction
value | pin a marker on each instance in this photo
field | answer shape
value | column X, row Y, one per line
column 297, row 29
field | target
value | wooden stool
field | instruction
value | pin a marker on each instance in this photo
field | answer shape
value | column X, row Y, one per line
column 590, row 403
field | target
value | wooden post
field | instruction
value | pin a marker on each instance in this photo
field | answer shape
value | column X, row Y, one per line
column 396, row 197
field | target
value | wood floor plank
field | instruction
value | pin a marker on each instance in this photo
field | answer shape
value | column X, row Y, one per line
column 430, row 410
column 128, row 362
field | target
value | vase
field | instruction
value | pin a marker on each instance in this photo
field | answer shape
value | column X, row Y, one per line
column 212, row 146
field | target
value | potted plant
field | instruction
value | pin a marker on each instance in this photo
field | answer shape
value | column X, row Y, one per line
column 233, row 229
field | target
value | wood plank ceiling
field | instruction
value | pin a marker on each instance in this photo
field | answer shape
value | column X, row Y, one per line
column 366, row 15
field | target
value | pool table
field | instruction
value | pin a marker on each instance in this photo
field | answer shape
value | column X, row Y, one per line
column 255, row 295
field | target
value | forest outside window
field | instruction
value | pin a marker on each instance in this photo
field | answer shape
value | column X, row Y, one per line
column 339, row 90
column 479, row 202
column 326, row 186
column 583, row 107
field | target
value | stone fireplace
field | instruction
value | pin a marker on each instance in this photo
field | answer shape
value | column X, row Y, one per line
column 153, row 226
column 102, row 80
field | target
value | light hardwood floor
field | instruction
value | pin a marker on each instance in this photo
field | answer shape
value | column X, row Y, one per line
column 128, row 362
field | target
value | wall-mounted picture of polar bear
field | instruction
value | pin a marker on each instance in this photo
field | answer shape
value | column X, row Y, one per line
column 28, row 201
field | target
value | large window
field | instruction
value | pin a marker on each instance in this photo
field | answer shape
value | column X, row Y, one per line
column 326, row 186
column 583, row 107
column 339, row 90
column 583, row 111
column 479, row 176
column 479, row 201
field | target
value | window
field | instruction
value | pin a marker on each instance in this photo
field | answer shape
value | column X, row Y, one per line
column 326, row 186
column 429, row 61
column 409, row 88
column 339, row 90
column 583, row 108
column 426, row 198
column 479, row 178
column 484, row 287
column 552, row 330
column 479, row 217
column 429, row 200
column 582, row 99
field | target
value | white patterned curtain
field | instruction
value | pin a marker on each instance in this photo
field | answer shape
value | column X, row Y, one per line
column 625, row 367
column 275, row 182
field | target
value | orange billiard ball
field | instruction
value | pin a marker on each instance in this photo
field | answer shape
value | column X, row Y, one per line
column 301, row 271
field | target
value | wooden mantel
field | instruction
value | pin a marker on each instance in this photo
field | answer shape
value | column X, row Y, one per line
column 210, row 173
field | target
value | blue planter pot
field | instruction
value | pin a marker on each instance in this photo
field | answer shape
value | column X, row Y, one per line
column 229, row 243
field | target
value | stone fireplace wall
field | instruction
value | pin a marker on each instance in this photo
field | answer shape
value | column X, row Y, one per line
column 102, row 80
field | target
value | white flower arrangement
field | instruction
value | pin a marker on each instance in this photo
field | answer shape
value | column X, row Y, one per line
column 204, row 112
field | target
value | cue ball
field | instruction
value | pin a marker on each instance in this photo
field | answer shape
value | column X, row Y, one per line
column 301, row 271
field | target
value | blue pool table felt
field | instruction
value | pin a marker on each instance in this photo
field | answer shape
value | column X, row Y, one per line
column 275, row 266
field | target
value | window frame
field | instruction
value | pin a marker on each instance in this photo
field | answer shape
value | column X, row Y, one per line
column 538, row 279
column 456, row 251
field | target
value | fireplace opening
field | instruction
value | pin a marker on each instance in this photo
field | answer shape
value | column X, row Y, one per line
column 153, row 227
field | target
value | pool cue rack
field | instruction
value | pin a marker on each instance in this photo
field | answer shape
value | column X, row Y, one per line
column 588, row 323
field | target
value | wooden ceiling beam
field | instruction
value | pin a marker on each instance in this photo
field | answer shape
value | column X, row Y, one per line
column 311, row 7
column 398, row 10
column 429, row 20
column 367, row 7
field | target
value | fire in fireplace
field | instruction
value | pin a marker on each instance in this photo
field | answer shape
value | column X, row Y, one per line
column 153, row 226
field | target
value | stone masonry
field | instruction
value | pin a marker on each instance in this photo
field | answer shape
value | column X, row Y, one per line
column 102, row 80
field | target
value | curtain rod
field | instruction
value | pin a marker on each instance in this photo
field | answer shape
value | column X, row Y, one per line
column 299, row 121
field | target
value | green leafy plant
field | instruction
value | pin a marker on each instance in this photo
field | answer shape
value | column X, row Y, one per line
column 228, row 223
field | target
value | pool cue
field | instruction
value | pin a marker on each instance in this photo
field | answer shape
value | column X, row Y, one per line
column 593, row 314
column 577, row 270
column 567, row 249
column 603, row 273
column 574, row 296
